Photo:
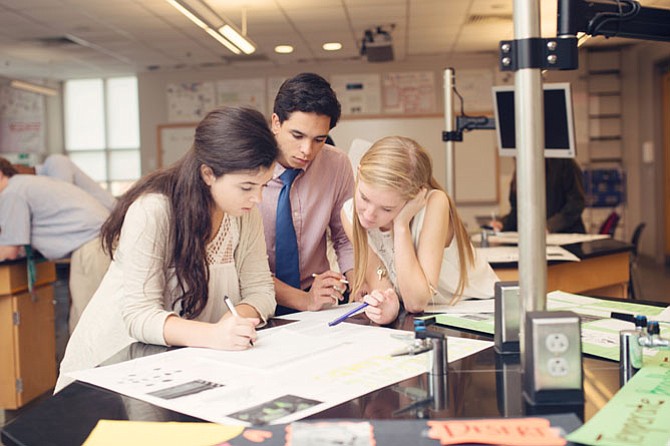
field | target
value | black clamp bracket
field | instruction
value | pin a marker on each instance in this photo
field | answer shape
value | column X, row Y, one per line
column 468, row 123
column 557, row 53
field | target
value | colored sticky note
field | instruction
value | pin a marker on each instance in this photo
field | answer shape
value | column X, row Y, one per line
column 140, row 433
column 498, row 431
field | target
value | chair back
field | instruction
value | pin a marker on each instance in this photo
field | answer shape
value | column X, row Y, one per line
column 635, row 240
column 609, row 225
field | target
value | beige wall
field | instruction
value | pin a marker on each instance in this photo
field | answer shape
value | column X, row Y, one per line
column 640, row 93
column 642, row 123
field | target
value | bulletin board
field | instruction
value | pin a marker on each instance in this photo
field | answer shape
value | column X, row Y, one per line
column 174, row 140
column 475, row 158
column 22, row 121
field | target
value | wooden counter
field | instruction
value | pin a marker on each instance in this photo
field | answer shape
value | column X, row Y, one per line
column 27, row 335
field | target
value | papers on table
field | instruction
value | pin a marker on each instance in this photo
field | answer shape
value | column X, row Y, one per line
column 141, row 433
column 507, row 254
column 600, row 333
column 326, row 315
column 292, row 371
column 553, row 239
column 637, row 414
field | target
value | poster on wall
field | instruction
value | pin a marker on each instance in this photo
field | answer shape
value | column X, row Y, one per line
column 21, row 121
column 409, row 93
column 358, row 93
column 475, row 88
column 242, row 92
column 189, row 101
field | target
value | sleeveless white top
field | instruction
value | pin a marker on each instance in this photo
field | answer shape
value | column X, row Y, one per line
column 481, row 278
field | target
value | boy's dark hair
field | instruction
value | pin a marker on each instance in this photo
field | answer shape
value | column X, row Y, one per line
column 308, row 93
column 7, row 168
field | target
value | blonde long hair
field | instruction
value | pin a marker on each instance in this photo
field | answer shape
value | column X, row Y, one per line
column 402, row 165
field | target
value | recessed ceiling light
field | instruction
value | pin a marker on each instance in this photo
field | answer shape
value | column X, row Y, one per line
column 332, row 46
column 284, row 49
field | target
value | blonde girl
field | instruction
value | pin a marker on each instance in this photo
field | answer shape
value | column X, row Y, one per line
column 410, row 244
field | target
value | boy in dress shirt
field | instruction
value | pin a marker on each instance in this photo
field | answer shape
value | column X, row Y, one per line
column 305, row 110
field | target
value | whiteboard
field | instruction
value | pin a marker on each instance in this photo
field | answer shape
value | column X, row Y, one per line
column 174, row 140
column 475, row 159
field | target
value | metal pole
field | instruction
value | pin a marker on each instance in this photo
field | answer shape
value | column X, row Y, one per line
column 531, row 199
column 449, row 126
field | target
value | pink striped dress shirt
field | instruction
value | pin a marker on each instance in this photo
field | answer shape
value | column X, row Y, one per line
column 317, row 195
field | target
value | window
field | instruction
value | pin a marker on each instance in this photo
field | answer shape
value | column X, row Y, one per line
column 102, row 130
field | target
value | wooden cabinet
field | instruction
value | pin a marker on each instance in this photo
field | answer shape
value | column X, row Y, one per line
column 27, row 335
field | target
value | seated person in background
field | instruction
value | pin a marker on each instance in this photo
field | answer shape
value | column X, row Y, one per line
column 302, row 202
column 182, row 238
column 565, row 199
column 61, row 167
column 59, row 220
column 409, row 242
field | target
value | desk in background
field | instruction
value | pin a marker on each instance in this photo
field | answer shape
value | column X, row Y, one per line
column 481, row 385
column 602, row 271
column 27, row 336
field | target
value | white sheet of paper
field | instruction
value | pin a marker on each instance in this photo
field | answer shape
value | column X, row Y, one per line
column 326, row 315
column 507, row 254
column 218, row 386
column 553, row 239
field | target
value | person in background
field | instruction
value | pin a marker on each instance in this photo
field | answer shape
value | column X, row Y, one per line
column 61, row 167
column 59, row 220
column 303, row 200
column 183, row 238
column 565, row 199
column 410, row 244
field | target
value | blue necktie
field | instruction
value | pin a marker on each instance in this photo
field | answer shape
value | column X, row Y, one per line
column 287, row 267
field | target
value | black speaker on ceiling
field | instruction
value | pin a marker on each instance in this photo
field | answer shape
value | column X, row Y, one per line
column 377, row 45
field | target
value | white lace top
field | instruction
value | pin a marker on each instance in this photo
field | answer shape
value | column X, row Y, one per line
column 481, row 278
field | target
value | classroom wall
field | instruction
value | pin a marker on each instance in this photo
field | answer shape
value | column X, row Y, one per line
column 153, row 110
column 640, row 120
column 642, row 123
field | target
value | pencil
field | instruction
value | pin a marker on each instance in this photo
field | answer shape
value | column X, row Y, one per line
column 234, row 312
column 347, row 314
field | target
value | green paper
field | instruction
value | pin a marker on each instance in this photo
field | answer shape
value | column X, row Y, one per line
column 607, row 348
column 482, row 323
column 638, row 414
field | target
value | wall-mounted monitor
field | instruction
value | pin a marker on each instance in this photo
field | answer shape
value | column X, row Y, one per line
column 559, row 128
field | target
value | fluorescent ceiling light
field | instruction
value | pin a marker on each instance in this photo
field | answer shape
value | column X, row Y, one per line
column 188, row 14
column 223, row 41
column 33, row 88
column 332, row 46
column 284, row 49
column 238, row 39
column 200, row 13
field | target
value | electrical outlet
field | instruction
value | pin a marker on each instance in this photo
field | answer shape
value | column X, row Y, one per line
column 557, row 343
column 553, row 357
column 507, row 320
column 558, row 366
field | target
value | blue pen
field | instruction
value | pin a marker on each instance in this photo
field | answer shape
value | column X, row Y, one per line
column 347, row 314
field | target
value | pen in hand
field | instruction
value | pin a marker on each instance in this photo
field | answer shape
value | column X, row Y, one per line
column 347, row 314
column 234, row 312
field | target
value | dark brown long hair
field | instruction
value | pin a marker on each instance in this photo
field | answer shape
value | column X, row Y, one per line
column 228, row 140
